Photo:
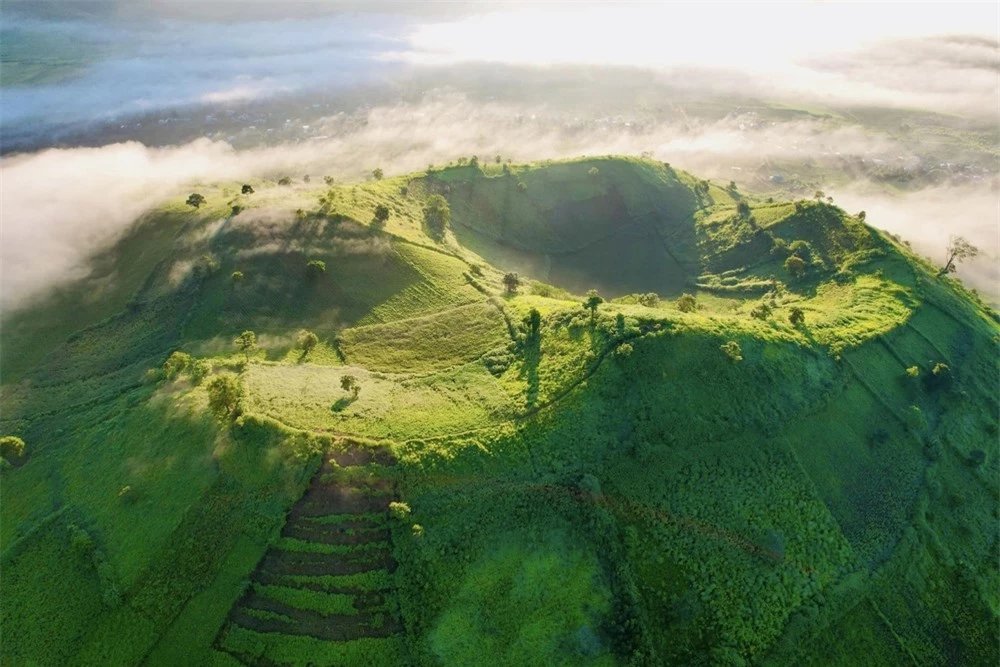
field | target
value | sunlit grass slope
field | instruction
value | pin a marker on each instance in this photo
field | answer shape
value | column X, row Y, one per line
column 791, row 467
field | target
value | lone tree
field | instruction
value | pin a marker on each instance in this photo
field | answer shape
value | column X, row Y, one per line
column 351, row 384
column 819, row 195
column 284, row 180
column 306, row 341
column 796, row 316
column 223, row 396
column 377, row 173
column 743, row 209
column 959, row 250
column 862, row 215
column 381, row 216
column 11, row 447
column 247, row 189
column 761, row 311
column 195, row 200
column 437, row 216
column 236, row 277
column 795, row 265
column 315, row 269
column 687, row 303
column 328, row 180
column 593, row 171
column 246, row 341
column 511, row 281
column 591, row 303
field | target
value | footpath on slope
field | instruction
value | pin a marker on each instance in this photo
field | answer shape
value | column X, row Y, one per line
column 337, row 528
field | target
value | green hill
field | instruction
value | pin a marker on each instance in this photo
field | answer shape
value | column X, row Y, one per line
column 662, row 480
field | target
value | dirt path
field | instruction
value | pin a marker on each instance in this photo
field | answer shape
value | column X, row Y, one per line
column 336, row 528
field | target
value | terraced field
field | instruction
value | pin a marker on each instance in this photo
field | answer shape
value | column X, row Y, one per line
column 326, row 585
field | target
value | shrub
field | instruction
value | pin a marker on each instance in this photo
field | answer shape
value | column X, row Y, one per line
column 437, row 216
column 176, row 364
column 381, row 216
column 198, row 371
column 801, row 248
column 351, row 384
column 224, row 396
column 306, row 341
column 284, row 180
column 81, row 543
column 206, row 265
column 593, row 171
column 623, row 351
column 650, row 299
column 732, row 350
column 796, row 316
column 315, row 269
column 399, row 510
column 236, row 277
column 761, row 311
column 522, row 186
column 498, row 361
column 247, row 189
column 686, row 303
column 795, row 266
column 11, row 447
column 127, row 495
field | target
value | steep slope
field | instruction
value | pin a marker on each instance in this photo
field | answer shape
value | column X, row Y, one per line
column 650, row 482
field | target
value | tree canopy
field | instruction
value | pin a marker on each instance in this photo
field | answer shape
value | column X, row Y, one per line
column 223, row 396
column 247, row 342
column 959, row 250
column 11, row 447
column 592, row 301
column 511, row 281
column 437, row 216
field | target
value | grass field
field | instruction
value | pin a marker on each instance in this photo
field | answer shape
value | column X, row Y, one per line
column 462, row 474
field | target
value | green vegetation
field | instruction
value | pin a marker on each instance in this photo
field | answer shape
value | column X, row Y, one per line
column 11, row 447
column 774, row 439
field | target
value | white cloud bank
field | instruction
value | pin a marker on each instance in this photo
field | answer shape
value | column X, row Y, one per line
column 59, row 206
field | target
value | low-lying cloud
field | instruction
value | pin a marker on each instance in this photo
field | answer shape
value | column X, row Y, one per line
column 60, row 206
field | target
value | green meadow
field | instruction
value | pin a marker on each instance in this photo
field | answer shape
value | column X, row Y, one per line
column 772, row 439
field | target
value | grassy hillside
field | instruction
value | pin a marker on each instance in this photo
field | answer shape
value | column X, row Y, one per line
column 788, row 466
